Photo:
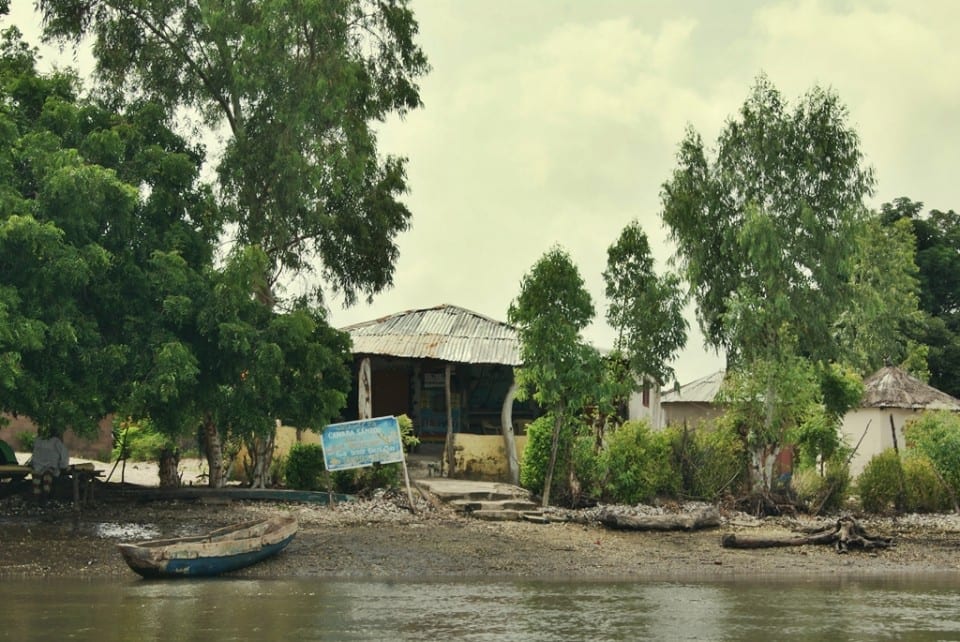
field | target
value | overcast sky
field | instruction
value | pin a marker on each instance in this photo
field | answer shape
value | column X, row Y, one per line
column 549, row 122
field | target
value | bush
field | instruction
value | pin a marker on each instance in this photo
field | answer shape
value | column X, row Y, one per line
column 303, row 468
column 638, row 464
column 822, row 493
column 25, row 441
column 936, row 435
column 365, row 480
column 588, row 470
column 807, row 485
column 879, row 486
column 710, row 459
column 536, row 453
column 926, row 492
column 409, row 440
column 139, row 440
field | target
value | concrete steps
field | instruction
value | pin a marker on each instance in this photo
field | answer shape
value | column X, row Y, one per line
column 486, row 500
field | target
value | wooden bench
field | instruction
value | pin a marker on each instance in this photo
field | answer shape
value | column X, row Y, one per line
column 81, row 476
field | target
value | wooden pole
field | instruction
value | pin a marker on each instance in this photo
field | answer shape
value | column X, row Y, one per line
column 406, row 479
column 449, row 442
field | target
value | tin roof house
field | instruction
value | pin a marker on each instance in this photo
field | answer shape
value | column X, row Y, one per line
column 693, row 402
column 451, row 371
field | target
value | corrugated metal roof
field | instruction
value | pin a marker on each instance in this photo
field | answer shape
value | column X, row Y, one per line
column 445, row 332
column 703, row 390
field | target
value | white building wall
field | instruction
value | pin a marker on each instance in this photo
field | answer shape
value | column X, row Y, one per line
column 871, row 428
column 638, row 410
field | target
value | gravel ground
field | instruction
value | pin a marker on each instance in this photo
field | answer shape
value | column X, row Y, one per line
column 382, row 538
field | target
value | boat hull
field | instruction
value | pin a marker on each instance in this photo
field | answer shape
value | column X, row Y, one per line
column 219, row 552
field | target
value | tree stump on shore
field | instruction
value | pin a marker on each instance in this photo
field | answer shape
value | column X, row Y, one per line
column 706, row 518
column 847, row 533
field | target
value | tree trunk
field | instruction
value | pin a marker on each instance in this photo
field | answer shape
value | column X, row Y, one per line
column 169, row 464
column 260, row 449
column 554, row 445
column 365, row 390
column 509, row 444
column 847, row 533
column 214, row 449
column 706, row 518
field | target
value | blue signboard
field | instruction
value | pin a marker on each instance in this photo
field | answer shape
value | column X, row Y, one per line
column 355, row 444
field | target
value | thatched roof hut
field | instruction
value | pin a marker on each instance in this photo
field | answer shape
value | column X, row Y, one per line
column 892, row 387
column 891, row 399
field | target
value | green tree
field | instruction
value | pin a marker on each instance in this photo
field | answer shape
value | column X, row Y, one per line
column 645, row 310
column 768, row 227
column 559, row 369
column 765, row 235
column 937, row 238
column 882, row 312
column 936, row 436
column 295, row 89
column 88, row 194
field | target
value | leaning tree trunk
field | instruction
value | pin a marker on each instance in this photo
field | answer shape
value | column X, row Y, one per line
column 214, row 447
column 509, row 444
column 169, row 465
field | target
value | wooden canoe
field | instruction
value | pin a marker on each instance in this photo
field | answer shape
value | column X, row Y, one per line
column 220, row 551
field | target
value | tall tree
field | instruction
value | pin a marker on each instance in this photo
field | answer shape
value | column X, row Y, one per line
column 882, row 312
column 786, row 187
column 937, row 236
column 295, row 88
column 645, row 310
column 559, row 369
column 88, row 194
column 766, row 234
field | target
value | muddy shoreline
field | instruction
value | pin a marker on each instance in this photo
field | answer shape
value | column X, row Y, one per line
column 381, row 538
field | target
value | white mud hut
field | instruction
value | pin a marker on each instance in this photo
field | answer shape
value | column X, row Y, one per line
column 892, row 396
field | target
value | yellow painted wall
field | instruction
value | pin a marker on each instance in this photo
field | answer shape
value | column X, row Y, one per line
column 287, row 437
column 483, row 456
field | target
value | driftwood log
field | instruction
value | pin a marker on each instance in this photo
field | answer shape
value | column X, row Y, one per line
column 706, row 518
column 847, row 533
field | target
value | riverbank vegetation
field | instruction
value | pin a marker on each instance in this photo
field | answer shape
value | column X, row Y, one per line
column 131, row 285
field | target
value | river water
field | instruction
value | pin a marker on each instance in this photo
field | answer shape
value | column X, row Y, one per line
column 908, row 608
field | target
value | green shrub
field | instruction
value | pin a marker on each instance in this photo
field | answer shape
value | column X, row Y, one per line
column 25, row 441
column 638, row 464
column 821, row 493
column 367, row 479
column 807, row 484
column 587, row 468
column 304, row 467
column 139, row 439
column 833, row 485
column 936, row 435
column 925, row 492
column 536, row 453
column 879, row 486
column 407, row 437
column 710, row 459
